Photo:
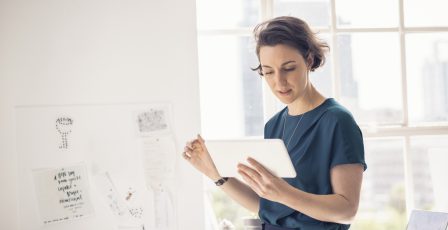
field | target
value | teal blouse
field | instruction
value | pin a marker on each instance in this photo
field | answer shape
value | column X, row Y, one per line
column 323, row 138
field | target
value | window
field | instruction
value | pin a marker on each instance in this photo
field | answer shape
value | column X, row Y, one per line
column 390, row 71
column 231, row 93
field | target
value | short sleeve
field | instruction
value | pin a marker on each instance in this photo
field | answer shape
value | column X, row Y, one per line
column 347, row 142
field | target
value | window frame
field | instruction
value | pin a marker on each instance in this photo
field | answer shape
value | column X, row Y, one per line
column 405, row 129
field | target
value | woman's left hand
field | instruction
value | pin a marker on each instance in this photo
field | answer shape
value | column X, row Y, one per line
column 263, row 182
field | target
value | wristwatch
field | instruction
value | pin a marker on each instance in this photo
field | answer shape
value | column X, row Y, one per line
column 221, row 181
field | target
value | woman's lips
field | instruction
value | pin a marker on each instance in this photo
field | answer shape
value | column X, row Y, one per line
column 284, row 92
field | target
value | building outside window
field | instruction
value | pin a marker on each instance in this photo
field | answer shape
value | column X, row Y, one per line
column 388, row 65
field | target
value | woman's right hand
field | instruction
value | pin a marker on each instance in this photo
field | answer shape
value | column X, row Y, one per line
column 197, row 154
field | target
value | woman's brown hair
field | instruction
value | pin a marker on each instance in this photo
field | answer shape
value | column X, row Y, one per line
column 292, row 32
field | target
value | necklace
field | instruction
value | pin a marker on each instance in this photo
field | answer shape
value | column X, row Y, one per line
column 293, row 132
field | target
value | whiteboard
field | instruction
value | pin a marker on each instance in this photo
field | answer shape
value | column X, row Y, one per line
column 94, row 52
column 102, row 139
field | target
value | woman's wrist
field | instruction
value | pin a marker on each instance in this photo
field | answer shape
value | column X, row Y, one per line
column 214, row 177
column 285, row 194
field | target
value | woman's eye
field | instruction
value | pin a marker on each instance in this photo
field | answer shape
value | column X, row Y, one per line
column 267, row 73
column 289, row 69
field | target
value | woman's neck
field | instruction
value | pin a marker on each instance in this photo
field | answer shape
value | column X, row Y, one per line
column 310, row 100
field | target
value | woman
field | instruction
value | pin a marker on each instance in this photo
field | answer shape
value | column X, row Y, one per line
column 322, row 138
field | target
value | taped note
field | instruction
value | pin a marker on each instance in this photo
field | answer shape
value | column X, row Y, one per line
column 63, row 193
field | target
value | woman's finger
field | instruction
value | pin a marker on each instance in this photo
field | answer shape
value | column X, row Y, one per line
column 246, row 168
column 190, row 144
column 186, row 148
column 186, row 156
column 250, row 181
column 249, row 171
column 192, row 154
column 259, row 167
column 201, row 139
column 197, row 144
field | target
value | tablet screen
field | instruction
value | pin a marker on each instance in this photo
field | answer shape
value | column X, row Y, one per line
column 271, row 153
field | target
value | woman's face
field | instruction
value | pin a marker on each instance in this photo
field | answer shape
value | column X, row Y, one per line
column 285, row 71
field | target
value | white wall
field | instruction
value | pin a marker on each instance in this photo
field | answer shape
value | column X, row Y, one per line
column 92, row 52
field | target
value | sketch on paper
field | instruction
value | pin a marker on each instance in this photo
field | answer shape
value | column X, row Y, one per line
column 153, row 121
column 63, row 193
column 134, row 203
column 110, row 193
column 164, row 207
column 159, row 164
column 64, row 127
column 127, row 208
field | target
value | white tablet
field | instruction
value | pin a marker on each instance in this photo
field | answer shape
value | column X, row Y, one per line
column 271, row 153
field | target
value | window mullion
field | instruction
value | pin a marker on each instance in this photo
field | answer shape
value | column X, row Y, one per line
column 404, row 85
column 408, row 171
column 408, row 177
column 403, row 131
column 334, row 49
column 425, row 29
column 365, row 30
column 267, row 9
column 269, row 100
column 231, row 32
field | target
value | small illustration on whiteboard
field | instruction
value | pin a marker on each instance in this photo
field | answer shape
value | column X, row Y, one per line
column 135, row 207
column 152, row 121
column 64, row 127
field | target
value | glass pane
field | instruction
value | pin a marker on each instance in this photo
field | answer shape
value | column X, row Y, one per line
column 427, row 75
column 225, row 209
column 322, row 77
column 315, row 12
column 382, row 204
column 364, row 13
column 425, row 13
column 230, row 92
column 227, row 14
column 369, row 71
column 429, row 156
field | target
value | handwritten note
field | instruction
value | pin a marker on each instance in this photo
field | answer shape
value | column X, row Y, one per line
column 62, row 193
column 159, row 159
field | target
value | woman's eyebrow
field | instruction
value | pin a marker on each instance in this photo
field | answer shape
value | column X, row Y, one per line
column 266, row 66
column 288, row 62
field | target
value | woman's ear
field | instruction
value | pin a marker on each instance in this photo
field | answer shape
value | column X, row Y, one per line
column 309, row 61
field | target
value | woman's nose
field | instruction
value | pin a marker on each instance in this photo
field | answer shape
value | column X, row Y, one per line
column 280, row 78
